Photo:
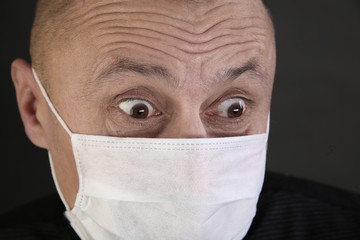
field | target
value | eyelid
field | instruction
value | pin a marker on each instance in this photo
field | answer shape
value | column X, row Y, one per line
column 136, row 101
column 230, row 94
column 240, row 100
column 141, row 93
column 225, row 126
column 153, row 109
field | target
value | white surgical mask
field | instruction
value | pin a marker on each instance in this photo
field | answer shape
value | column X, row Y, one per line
column 154, row 189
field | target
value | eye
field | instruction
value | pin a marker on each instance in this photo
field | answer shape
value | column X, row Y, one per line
column 231, row 108
column 138, row 108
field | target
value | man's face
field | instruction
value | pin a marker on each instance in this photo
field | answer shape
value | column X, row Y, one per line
column 169, row 69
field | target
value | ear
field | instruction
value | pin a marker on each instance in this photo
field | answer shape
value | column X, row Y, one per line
column 28, row 95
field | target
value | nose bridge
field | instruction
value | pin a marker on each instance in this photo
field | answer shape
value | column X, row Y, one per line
column 185, row 124
column 186, row 121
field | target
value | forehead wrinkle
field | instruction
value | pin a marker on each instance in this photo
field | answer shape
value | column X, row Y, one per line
column 123, row 10
column 153, row 26
column 217, row 8
column 141, row 36
column 223, row 28
column 197, row 32
column 117, row 45
column 179, row 53
column 186, row 46
column 189, row 42
column 172, row 46
column 162, row 17
column 176, row 54
column 204, row 51
column 99, row 11
column 118, row 18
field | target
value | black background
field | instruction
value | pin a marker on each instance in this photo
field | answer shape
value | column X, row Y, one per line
column 315, row 113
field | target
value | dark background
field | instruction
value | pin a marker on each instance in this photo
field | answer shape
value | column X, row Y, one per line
column 315, row 113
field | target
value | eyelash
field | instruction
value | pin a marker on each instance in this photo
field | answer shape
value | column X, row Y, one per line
column 213, row 107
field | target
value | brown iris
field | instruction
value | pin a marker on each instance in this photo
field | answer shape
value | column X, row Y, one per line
column 139, row 111
column 235, row 110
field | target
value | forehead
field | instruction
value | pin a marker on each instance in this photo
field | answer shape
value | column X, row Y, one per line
column 188, row 36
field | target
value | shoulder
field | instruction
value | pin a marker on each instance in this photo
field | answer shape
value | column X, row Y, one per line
column 290, row 208
column 41, row 219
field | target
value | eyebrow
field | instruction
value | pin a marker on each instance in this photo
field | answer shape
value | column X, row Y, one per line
column 231, row 74
column 122, row 65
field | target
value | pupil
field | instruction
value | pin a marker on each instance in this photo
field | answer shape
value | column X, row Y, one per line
column 139, row 111
column 235, row 110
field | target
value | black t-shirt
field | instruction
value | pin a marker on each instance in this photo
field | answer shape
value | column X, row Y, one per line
column 288, row 208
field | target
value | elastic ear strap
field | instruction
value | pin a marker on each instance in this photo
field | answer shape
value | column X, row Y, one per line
column 56, row 183
column 51, row 106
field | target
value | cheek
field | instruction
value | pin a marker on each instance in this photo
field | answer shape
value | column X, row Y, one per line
column 62, row 158
column 59, row 143
column 259, row 123
column 87, row 116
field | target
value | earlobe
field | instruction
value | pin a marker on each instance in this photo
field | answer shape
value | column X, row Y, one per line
column 27, row 94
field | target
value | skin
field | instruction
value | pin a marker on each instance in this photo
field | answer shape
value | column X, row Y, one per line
column 195, row 44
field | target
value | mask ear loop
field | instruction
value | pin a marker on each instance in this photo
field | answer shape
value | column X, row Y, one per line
column 268, row 124
column 51, row 106
column 63, row 124
column 67, row 207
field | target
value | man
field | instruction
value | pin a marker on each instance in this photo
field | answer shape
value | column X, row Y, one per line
column 105, row 74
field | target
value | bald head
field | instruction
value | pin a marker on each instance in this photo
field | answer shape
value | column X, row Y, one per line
column 49, row 25
column 54, row 24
